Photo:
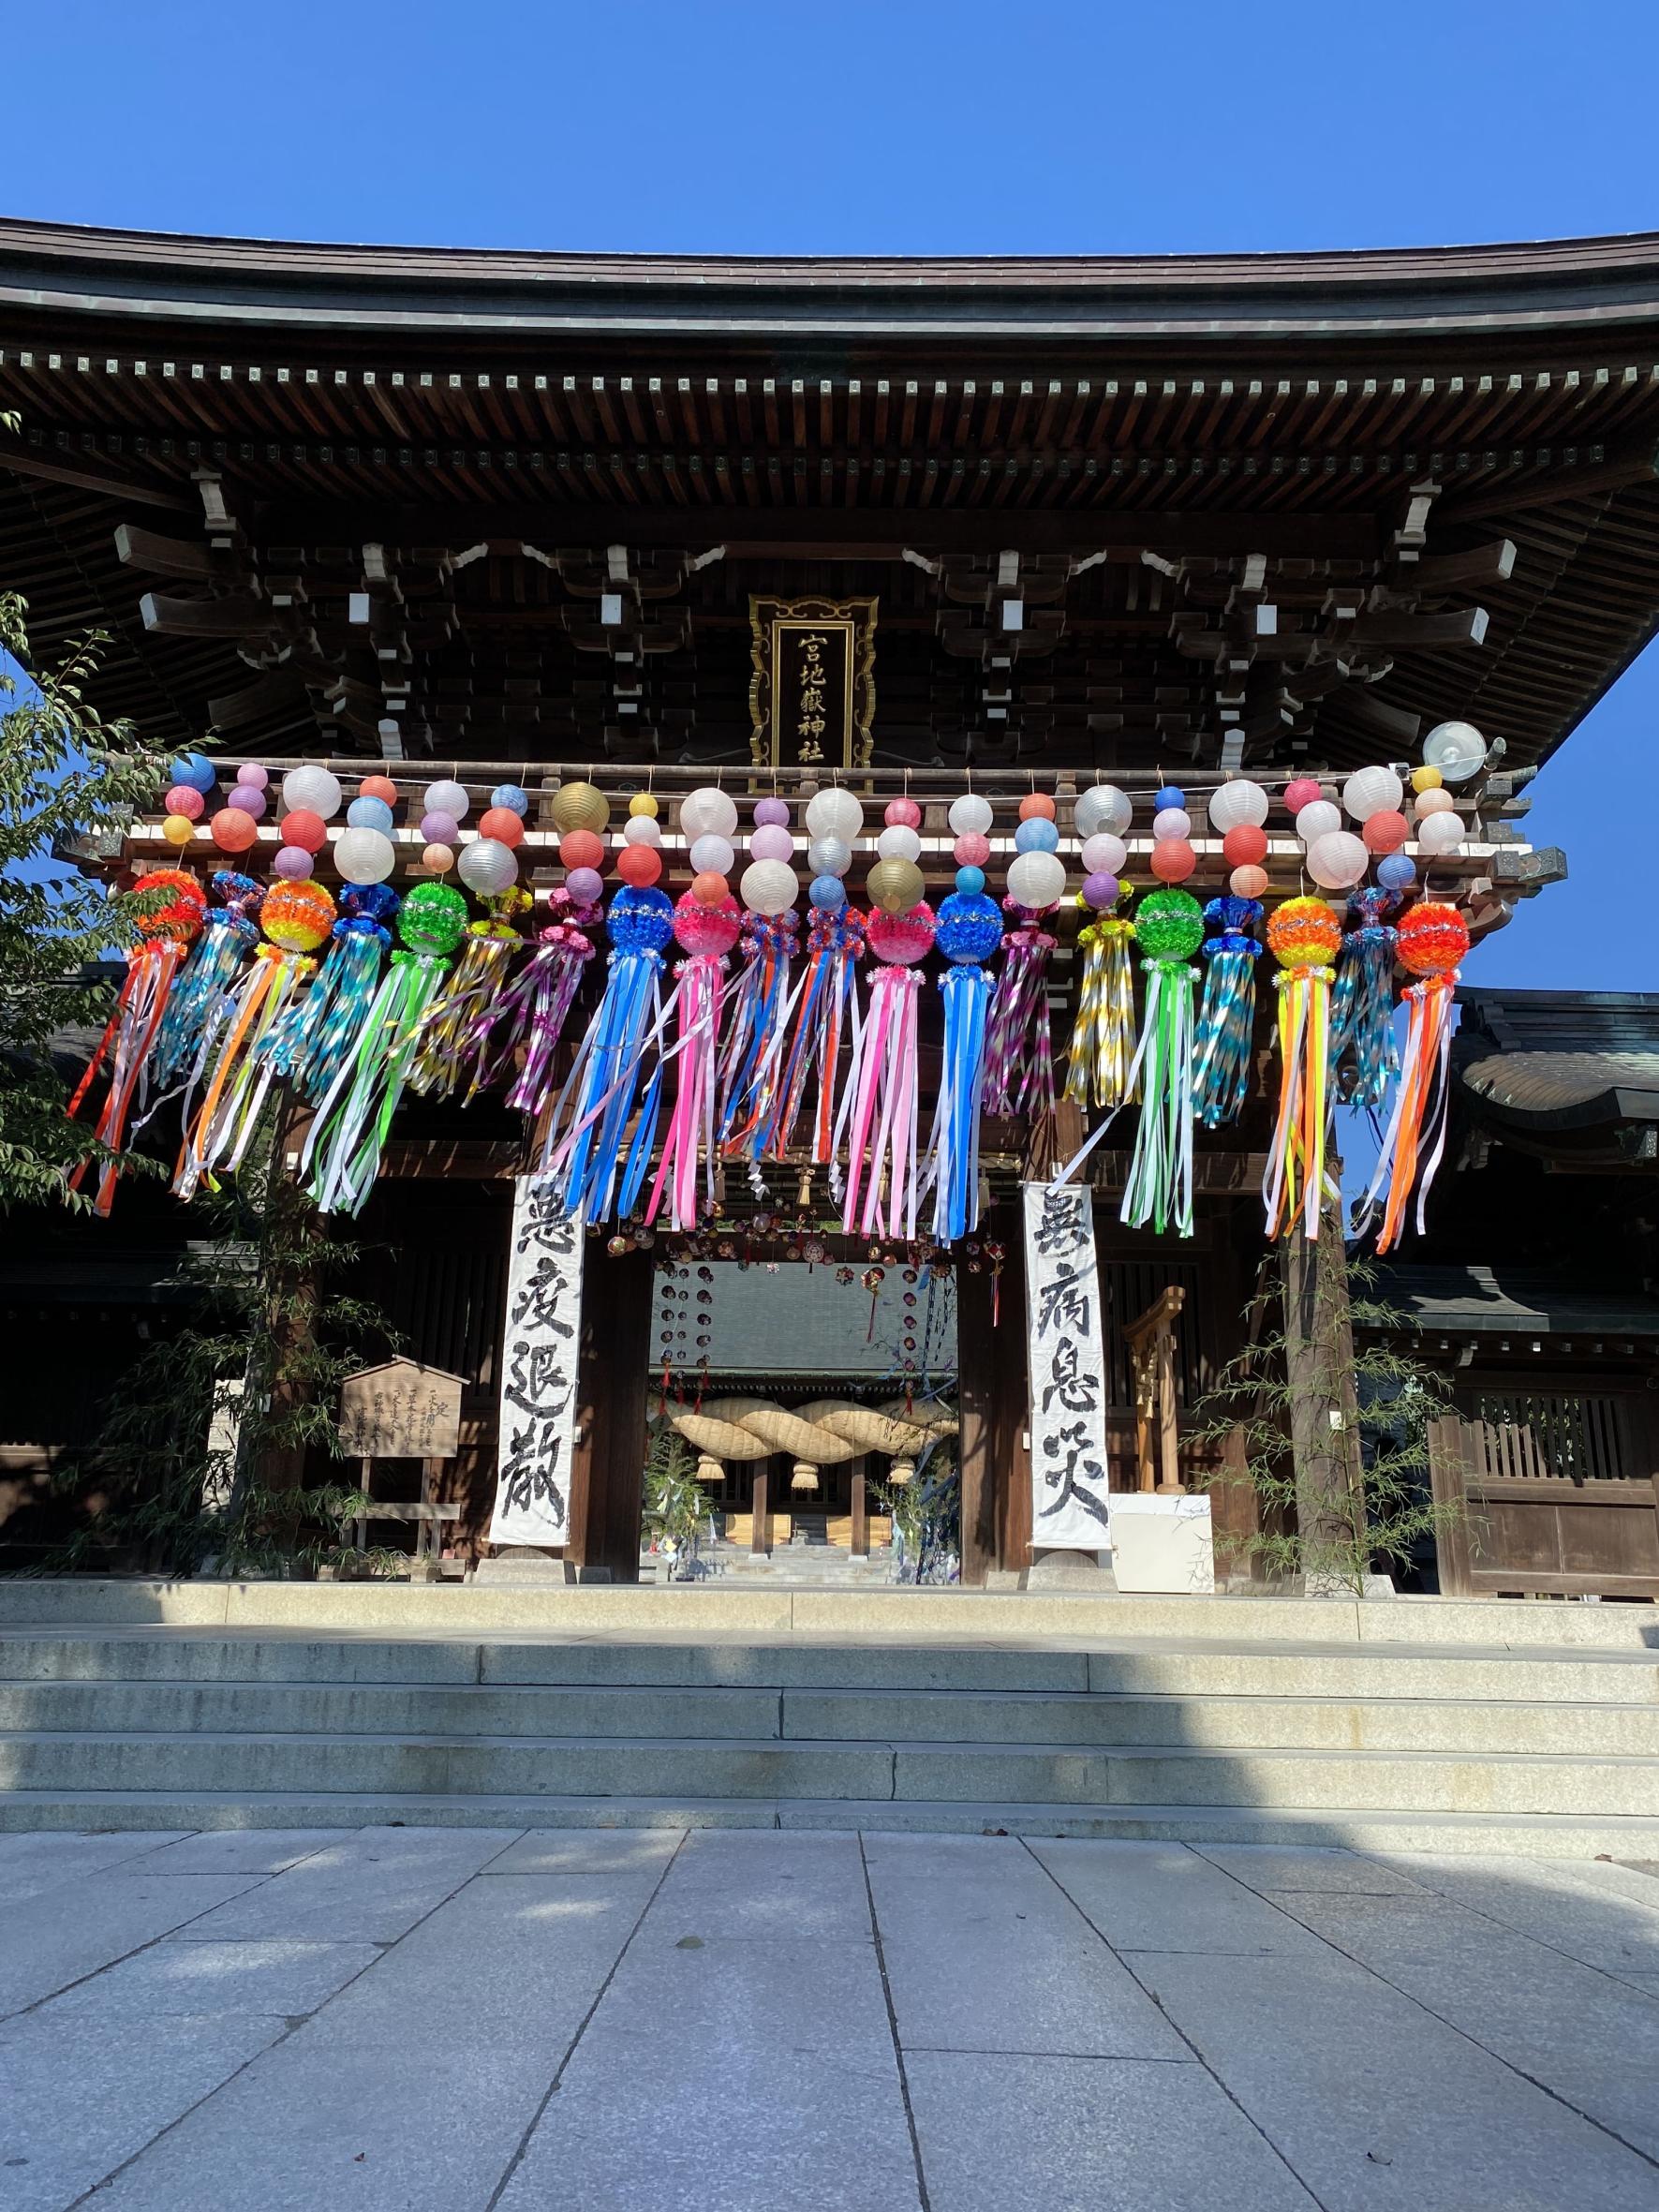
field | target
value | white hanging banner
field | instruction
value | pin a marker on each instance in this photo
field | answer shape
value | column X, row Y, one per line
column 538, row 1368
column 1065, row 1366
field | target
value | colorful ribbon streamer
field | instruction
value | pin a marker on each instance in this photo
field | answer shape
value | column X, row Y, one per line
column 882, row 1098
column 970, row 929
column 1227, row 1013
column 1019, row 1050
column 1433, row 939
column 441, row 1064
column 1103, row 1030
column 759, row 1004
column 1305, row 937
column 311, row 1042
column 1362, row 1004
column 1170, row 928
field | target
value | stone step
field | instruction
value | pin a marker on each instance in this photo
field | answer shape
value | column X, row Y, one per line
column 1515, row 1835
column 1122, row 1718
column 1087, row 1774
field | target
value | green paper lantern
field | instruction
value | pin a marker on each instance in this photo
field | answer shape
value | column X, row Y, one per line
column 433, row 918
column 1169, row 924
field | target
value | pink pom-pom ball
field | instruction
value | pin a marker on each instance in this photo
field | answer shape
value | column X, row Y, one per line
column 1104, row 854
column 584, row 885
column 902, row 814
column 700, row 929
column 971, row 850
column 247, row 798
column 293, row 862
column 1099, row 890
column 183, row 798
column 901, row 940
column 771, row 841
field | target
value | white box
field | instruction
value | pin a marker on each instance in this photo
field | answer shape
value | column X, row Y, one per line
column 1162, row 1545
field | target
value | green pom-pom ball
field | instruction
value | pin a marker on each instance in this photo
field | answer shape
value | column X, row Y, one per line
column 433, row 918
column 1169, row 924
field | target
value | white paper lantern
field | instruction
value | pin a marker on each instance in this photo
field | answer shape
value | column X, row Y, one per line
column 971, row 816
column 1337, row 860
column 712, row 856
column 1104, row 854
column 1036, row 879
column 896, row 843
column 447, row 798
column 769, row 886
column 364, row 856
column 1441, row 834
column 1102, row 806
column 835, row 813
column 1236, row 805
column 1371, row 790
column 488, row 866
column 1458, row 750
column 1317, row 819
column 1432, row 802
column 829, row 857
column 1172, row 822
column 641, row 829
column 313, row 790
column 708, row 812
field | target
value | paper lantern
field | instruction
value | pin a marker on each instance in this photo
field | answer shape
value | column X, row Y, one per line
column 503, row 825
column 1397, row 872
column 247, row 798
column 1102, row 806
column 1458, row 750
column 1433, row 939
column 293, row 862
column 583, row 886
column 513, row 797
column 1100, row 890
column 971, row 881
column 370, row 813
column 709, row 888
column 1440, row 835
column 1036, row 806
column 1172, row 822
column 707, row 812
column 1173, row 860
column 769, row 886
column 580, row 805
column 1371, row 790
column 439, row 828
column 488, row 867
column 639, row 865
column 297, row 915
column 364, row 855
column 1317, row 819
column 447, row 796
column 1238, row 804
column 1302, row 791
column 1245, row 845
column 835, row 813
column 904, row 813
column 1432, row 801
column 233, row 830
column 971, row 815
column 771, row 813
column 828, row 892
column 1426, row 778
column 311, row 791
column 1247, row 883
column 898, row 843
column 304, row 829
column 1036, row 880
column 643, row 806
column 641, row 829
column 829, row 857
column 378, row 787
column 1337, row 860
column 895, row 886
column 440, row 859
column 712, row 854
column 195, row 769
column 771, row 841
column 582, row 848
column 183, row 799
column 1104, row 854
column 1385, row 830
column 178, row 829
column 971, row 850
column 1036, row 834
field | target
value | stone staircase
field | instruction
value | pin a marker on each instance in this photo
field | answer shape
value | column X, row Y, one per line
column 1553, row 1748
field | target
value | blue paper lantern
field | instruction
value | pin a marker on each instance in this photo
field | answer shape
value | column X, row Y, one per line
column 370, row 813
column 640, row 920
column 968, row 926
column 1396, row 873
column 195, row 769
column 969, row 881
column 828, row 892
column 1036, row 835
column 1171, row 795
column 512, row 796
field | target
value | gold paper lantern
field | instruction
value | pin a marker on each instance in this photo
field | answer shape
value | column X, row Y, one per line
column 642, row 803
column 580, row 805
column 894, row 885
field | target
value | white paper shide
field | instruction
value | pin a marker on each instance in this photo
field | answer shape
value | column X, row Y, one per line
column 539, row 1369
column 1068, row 1417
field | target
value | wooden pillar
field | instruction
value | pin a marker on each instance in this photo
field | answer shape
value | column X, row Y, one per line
column 860, row 1546
column 760, row 1528
column 975, row 1404
column 613, row 1386
column 1448, row 1479
column 1324, row 1407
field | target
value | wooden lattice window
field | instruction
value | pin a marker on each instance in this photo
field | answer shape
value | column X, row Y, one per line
column 1525, row 1435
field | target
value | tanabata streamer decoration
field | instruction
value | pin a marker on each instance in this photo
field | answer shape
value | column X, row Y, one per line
column 343, row 1149
column 1362, row 1005
column 706, row 934
column 752, row 1054
column 296, row 918
column 1433, row 939
column 1020, row 1053
column 1304, row 937
column 969, row 931
column 532, row 1009
column 583, row 1141
column 1226, row 1015
column 230, row 932
column 1103, row 1030
column 825, row 1012
column 165, row 935
column 310, row 1043
column 881, row 1101
column 442, row 1058
column 1169, row 926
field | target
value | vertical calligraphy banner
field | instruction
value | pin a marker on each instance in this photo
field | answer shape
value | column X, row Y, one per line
column 1068, row 1390
column 539, row 1369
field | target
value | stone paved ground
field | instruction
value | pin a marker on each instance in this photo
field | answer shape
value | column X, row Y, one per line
column 421, row 2020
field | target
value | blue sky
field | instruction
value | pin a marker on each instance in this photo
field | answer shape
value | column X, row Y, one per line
column 909, row 126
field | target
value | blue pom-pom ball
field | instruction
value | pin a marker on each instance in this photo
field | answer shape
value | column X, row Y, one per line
column 828, row 892
column 1036, row 835
column 968, row 926
column 195, row 769
column 370, row 813
column 1396, row 873
column 640, row 920
column 1171, row 795
column 971, row 881
column 512, row 796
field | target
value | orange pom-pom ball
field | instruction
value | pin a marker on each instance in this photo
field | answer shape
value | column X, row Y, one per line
column 581, row 848
column 304, row 829
column 1304, row 933
column 639, row 865
column 1246, row 846
column 1433, row 939
column 297, row 915
column 179, row 916
column 234, row 830
column 1036, row 806
column 1173, row 860
column 708, row 889
column 378, row 787
column 1385, row 831
column 503, row 825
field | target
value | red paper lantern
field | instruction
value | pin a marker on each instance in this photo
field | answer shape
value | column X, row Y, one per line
column 1300, row 793
column 1246, row 846
column 504, row 825
column 234, row 830
column 580, row 848
column 1173, row 860
column 1036, row 806
column 709, row 888
column 903, row 814
column 304, row 829
column 378, row 787
column 638, row 865
column 1385, row 831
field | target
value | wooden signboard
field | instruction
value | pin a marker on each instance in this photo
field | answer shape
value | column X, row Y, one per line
column 812, row 697
column 401, row 1411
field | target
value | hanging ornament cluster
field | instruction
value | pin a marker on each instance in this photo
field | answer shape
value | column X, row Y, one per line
column 310, row 1041
column 1227, row 1015
column 968, row 933
column 1237, row 810
column 1364, row 1057
column 1173, row 856
column 882, row 1101
column 1433, row 939
column 1169, row 929
column 1304, row 937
